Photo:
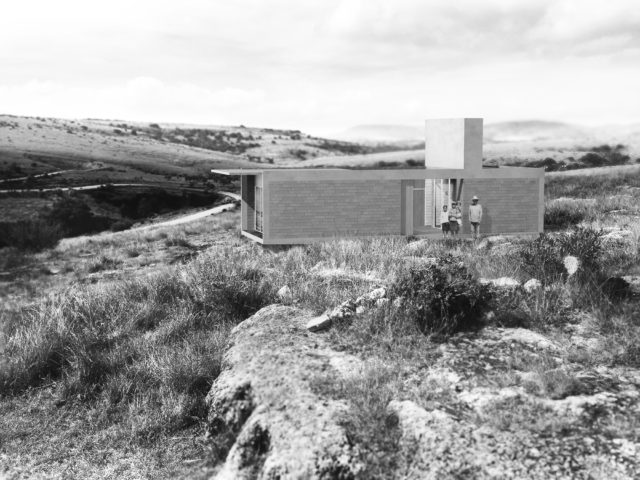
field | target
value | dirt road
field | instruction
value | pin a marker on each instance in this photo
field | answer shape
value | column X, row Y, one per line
column 50, row 174
column 187, row 218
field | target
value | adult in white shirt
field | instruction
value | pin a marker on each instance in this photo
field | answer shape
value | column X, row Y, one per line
column 475, row 216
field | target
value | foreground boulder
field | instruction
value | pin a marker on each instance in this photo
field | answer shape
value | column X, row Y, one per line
column 494, row 403
column 265, row 421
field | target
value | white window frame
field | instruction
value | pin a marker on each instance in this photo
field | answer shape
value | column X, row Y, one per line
column 258, row 220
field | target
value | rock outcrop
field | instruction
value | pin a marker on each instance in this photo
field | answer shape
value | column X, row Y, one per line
column 264, row 418
column 485, row 413
column 497, row 403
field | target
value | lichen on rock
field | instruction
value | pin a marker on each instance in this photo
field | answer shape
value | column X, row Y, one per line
column 263, row 410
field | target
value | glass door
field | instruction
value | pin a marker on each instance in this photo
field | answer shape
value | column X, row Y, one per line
column 441, row 196
column 259, row 226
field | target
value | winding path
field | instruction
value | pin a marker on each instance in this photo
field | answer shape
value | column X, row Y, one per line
column 50, row 174
column 85, row 187
column 194, row 216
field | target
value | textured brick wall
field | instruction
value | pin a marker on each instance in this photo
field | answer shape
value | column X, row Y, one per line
column 303, row 209
column 509, row 205
column 429, row 207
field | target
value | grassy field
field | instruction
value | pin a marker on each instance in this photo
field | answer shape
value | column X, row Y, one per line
column 170, row 164
column 111, row 342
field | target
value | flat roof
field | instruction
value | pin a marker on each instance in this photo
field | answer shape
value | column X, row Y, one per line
column 385, row 174
column 255, row 171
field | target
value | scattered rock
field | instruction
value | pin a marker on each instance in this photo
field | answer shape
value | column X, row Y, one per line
column 482, row 397
column 371, row 297
column 497, row 239
column 502, row 282
column 634, row 283
column 284, row 294
column 483, row 244
column 377, row 294
column 381, row 302
column 398, row 302
column 571, row 264
column 489, row 316
column 414, row 248
column 528, row 337
column 346, row 310
column 617, row 235
column 532, row 285
column 534, row 453
column 576, row 404
column 347, row 274
column 321, row 322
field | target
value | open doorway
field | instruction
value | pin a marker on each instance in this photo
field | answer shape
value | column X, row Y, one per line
column 423, row 201
column 252, row 205
column 443, row 194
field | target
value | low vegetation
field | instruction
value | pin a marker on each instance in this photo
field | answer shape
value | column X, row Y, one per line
column 133, row 358
column 599, row 156
column 108, row 208
column 442, row 298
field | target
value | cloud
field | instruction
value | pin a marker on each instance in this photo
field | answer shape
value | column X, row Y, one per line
column 319, row 62
column 141, row 98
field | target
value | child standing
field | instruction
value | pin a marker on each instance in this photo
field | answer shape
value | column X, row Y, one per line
column 444, row 221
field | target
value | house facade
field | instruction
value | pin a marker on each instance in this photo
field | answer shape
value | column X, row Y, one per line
column 295, row 206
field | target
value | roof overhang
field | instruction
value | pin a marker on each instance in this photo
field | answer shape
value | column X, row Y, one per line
column 257, row 171
column 237, row 171
column 387, row 174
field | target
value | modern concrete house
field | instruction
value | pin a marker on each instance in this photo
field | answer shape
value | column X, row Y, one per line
column 294, row 206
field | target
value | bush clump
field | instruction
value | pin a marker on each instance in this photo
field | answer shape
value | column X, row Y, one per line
column 30, row 234
column 563, row 214
column 544, row 257
column 443, row 298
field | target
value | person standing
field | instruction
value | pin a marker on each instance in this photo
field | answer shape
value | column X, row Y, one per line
column 475, row 216
column 444, row 221
column 455, row 216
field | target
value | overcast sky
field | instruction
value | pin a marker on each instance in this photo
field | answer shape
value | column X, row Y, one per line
column 322, row 65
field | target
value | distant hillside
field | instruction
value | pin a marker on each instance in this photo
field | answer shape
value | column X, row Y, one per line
column 531, row 130
column 504, row 142
column 382, row 133
column 494, row 132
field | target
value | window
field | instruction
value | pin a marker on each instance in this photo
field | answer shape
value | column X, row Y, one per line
column 259, row 223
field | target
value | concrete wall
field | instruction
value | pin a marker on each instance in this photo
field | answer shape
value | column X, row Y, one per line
column 301, row 211
column 454, row 143
column 509, row 205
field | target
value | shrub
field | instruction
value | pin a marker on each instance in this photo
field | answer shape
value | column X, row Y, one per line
column 102, row 263
column 539, row 308
column 442, row 298
column 74, row 217
column 543, row 257
column 586, row 245
column 11, row 257
column 33, row 234
column 120, row 225
column 563, row 213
